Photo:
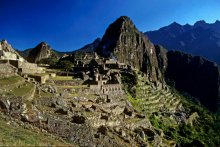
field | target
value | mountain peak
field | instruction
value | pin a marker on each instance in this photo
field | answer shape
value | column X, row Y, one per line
column 123, row 18
column 123, row 42
column 217, row 22
column 41, row 51
column 175, row 24
column 172, row 26
column 113, row 34
column 121, row 21
column 43, row 43
column 200, row 23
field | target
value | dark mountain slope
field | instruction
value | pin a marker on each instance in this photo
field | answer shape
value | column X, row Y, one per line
column 196, row 76
column 122, row 41
column 89, row 48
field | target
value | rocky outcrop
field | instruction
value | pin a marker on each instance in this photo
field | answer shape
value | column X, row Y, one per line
column 41, row 51
column 123, row 42
column 8, row 53
column 196, row 76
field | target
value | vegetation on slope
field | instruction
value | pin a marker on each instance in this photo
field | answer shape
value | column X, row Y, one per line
column 203, row 130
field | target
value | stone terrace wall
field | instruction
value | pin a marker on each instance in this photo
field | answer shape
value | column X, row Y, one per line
column 30, row 68
column 41, row 78
column 109, row 89
column 26, row 67
column 112, row 89
column 6, row 70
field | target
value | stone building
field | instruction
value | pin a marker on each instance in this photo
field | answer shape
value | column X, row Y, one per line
column 11, row 63
column 106, row 84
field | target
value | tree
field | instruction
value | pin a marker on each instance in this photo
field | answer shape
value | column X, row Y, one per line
column 66, row 65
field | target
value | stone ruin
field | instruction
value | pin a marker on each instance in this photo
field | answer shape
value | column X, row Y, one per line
column 107, row 84
column 8, row 53
column 104, row 74
column 11, row 63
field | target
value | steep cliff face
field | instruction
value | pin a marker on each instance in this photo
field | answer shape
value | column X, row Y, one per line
column 8, row 53
column 161, row 53
column 126, row 44
column 41, row 51
column 195, row 75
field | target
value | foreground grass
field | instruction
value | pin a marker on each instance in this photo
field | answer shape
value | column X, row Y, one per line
column 11, row 136
column 23, row 90
column 10, row 80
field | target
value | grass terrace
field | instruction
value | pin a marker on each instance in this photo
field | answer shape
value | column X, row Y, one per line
column 18, row 136
column 23, row 90
column 10, row 80
column 63, row 78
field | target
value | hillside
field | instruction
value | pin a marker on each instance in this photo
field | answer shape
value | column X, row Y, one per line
column 125, row 94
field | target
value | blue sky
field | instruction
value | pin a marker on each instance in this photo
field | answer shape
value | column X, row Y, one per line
column 70, row 24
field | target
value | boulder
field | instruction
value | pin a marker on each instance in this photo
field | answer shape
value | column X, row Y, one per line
column 78, row 119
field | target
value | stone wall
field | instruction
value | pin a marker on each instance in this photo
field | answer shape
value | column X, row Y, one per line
column 30, row 68
column 26, row 67
column 40, row 78
column 6, row 70
column 111, row 89
column 107, row 89
column 95, row 88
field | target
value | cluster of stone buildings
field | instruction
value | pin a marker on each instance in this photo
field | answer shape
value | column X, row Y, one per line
column 11, row 63
column 104, row 74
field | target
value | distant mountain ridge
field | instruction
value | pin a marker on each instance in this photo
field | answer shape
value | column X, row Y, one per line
column 201, row 39
column 89, row 48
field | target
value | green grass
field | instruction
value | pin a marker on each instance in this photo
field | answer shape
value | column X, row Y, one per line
column 73, row 87
column 25, row 89
column 136, row 103
column 46, row 94
column 204, row 132
column 11, row 136
column 63, row 78
column 10, row 80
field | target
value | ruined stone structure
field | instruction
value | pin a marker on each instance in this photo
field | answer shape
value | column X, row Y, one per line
column 7, row 70
column 40, row 78
column 11, row 63
column 8, row 53
column 109, row 83
column 25, row 67
column 105, row 73
column 111, row 89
